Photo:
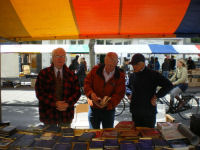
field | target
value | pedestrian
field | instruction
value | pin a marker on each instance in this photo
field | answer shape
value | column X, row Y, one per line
column 57, row 90
column 104, row 87
column 81, row 73
column 125, row 66
column 165, row 68
column 190, row 64
column 143, row 83
column 180, row 82
column 74, row 65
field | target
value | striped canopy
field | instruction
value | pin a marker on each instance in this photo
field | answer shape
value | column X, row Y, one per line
column 102, row 49
column 28, row 20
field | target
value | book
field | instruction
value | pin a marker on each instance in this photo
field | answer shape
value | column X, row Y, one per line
column 129, row 134
column 5, row 142
column 67, row 132
column 65, row 140
column 7, row 131
column 59, row 146
column 96, row 145
column 111, row 143
column 87, row 136
column 128, row 146
column 159, row 144
column 151, row 132
column 180, row 144
column 80, row 146
column 43, row 143
column 109, row 134
column 125, row 125
column 166, row 125
column 145, row 144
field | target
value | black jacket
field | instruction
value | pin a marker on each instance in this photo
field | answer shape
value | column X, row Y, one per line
column 144, row 85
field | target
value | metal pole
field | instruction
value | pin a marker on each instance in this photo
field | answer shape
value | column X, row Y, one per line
column 92, row 53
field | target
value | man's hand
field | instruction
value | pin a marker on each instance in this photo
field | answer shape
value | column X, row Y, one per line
column 61, row 105
column 94, row 97
column 153, row 100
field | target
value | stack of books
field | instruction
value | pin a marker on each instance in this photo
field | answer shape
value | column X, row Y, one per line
column 5, row 142
column 67, row 131
column 96, row 145
column 111, row 144
column 127, row 125
column 7, row 131
column 109, row 134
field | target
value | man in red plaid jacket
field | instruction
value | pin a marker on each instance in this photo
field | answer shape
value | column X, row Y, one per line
column 57, row 96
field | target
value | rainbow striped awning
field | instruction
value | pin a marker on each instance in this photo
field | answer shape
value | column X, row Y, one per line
column 28, row 20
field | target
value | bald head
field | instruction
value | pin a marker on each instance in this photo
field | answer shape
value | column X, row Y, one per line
column 59, row 57
column 111, row 61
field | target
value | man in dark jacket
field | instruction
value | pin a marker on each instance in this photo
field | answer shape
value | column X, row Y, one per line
column 143, row 83
column 57, row 90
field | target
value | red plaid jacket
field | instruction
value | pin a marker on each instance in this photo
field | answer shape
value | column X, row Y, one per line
column 45, row 92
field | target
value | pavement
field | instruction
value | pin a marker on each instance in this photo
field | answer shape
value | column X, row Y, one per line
column 20, row 107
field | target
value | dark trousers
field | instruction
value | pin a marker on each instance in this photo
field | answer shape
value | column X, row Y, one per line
column 98, row 116
column 141, row 120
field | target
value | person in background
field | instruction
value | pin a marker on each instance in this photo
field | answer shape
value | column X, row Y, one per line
column 104, row 87
column 157, row 64
column 190, row 64
column 85, row 63
column 74, row 65
column 81, row 73
column 125, row 66
column 57, row 90
column 165, row 68
column 180, row 82
column 143, row 84
column 172, row 63
column 151, row 64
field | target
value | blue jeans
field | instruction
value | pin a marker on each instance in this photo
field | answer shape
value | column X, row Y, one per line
column 98, row 116
column 165, row 74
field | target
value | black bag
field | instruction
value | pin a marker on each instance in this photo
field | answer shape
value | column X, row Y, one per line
column 195, row 124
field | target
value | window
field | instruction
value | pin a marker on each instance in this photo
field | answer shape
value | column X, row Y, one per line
column 174, row 43
column 60, row 41
column 100, row 42
column 166, row 42
column 118, row 43
column 73, row 42
column 127, row 42
column 80, row 42
column 109, row 42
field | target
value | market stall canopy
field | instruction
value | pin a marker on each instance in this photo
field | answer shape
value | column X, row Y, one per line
column 103, row 49
column 148, row 49
column 28, row 20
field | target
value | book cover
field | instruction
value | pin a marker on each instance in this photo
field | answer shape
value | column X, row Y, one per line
column 96, row 145
column 87, row 136
column 172, row 134
column 129, row 133
column 65, row 140
column 159, row 144
column 62, row 146
column 125, row 125
column 145, row 144
column 109, row 134
column 179, row 144
column 151, row 132
column 80, row 146
column 128, row 146
column 43, row 143
column 111, row 143
column 67, row 132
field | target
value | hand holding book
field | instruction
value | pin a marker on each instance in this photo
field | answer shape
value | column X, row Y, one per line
column 102, row 102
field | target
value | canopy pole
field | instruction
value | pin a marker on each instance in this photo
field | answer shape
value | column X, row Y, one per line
column 0, row 87
column 92, row 53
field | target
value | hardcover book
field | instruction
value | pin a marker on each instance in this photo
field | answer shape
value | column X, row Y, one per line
column 128, row 146
column 43, row 143
column 96, row 145
column 65, row 140
column 129, row 133
column 60, row 146
column 125, row 125
column 80, row 146
column 53, row 128
column 111, row 143
column 153, row 133
column 109, row 134
column 67, row 132
column 87, row 136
